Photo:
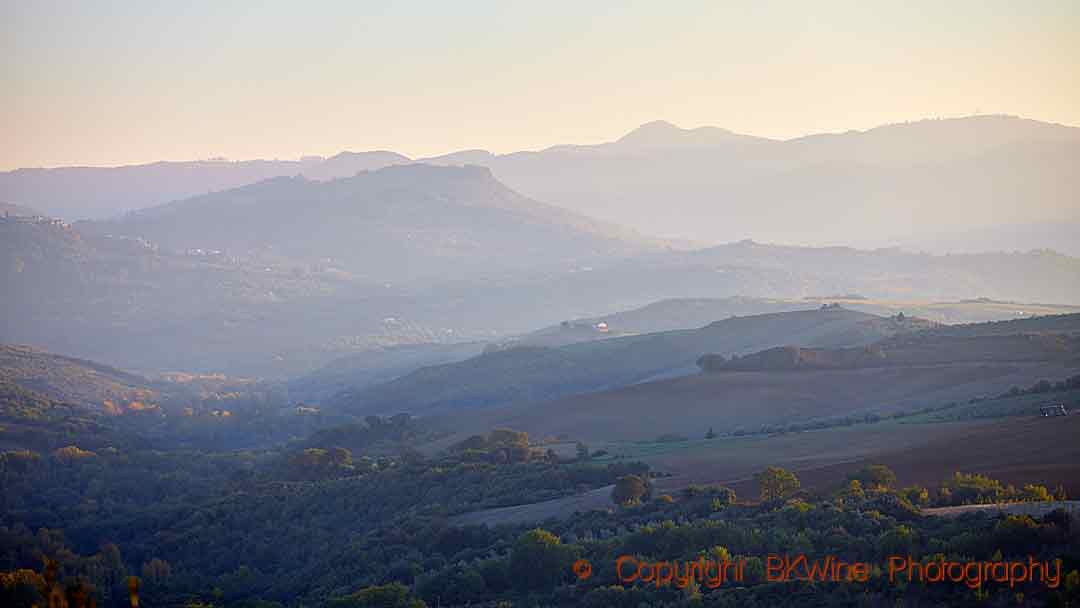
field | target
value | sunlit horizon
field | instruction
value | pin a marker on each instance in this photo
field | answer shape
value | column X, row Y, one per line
column 133, row 83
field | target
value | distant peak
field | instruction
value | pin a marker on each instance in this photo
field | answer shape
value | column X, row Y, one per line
column 661, row 133
column 659, row 125
column 652, row 129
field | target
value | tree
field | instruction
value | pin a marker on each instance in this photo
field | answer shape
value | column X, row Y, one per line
column 539, row 560
column 916, row 495
column 875, row 476
column 722, row 497
column 1035, row 493
column 776, row 483
column 629, row 489
column 853, row 491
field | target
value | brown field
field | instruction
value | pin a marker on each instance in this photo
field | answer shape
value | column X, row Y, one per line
column 749, row 400
column 1016, row 450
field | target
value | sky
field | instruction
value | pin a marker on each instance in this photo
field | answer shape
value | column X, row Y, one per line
column 107, row 83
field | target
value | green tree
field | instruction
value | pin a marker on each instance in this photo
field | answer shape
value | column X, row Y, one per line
column 1035, row 493
column 776, row 483
column 875, row 476
column 854, row 491
column 539, row 560
column 629, row 489
column 916, row 495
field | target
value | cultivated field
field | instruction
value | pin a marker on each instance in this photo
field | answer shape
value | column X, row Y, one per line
column 1016, row 450
column 747, row 401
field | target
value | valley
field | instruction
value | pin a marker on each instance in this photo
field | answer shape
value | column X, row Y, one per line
column 384, row 380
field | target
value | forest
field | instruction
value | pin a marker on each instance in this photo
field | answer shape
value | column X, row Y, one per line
column 320, row 526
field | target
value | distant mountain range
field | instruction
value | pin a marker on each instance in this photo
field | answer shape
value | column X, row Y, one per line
column 395, row 224
column 871, row 188
column 977, row 183
column 75, row 193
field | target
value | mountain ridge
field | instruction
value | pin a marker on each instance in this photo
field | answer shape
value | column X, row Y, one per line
column 399, row 221
column 874, row 185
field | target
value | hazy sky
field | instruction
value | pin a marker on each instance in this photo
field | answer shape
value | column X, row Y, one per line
column 99, row 83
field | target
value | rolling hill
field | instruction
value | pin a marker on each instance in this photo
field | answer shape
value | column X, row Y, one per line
column 688, row 313
column 535, row 374
column 79, row 382
column 926, row 369
column 90, row 292
column 376, row 366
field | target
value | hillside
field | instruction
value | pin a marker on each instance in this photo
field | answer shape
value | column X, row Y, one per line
column 376, row 366
column 395, row 224
column 1033, row 276
column 125, row 299
column 686, row 313
column 665, row 315
column 93, row 386
column 912, row 351
column 927, row 369
column 533, row 374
